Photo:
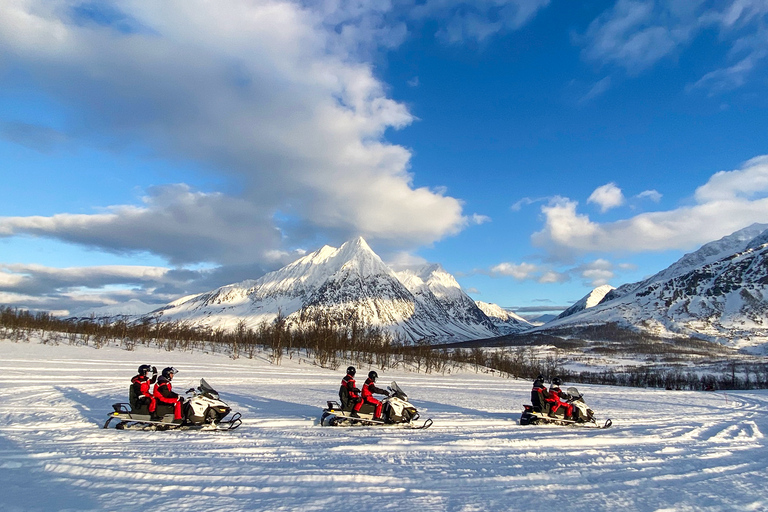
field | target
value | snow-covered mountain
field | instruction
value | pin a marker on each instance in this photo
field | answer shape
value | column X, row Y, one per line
column 590, row 300
column 342, row 284
column 719, row 293
column 505, row 321
column 707, row 253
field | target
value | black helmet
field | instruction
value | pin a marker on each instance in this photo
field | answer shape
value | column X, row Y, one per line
column 541, row 377
column 351, row 371
column 373, row 376
column 170, row 371
column 556, row 381
column 144, row 369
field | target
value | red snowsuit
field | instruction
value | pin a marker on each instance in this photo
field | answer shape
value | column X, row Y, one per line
column 141, row 385
column 555, row 395
column 163, row 393
column 348, row 384
column 369, row 388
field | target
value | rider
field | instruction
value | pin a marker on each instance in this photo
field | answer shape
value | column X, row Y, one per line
column 141, row 383
column 539, row 390
column 349, row 394
column 165, row 396
column 556, row 397
column 369, row 388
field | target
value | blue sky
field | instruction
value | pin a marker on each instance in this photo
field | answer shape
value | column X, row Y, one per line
column 536, row 149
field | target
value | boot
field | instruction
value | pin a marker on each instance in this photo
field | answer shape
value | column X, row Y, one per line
column 354, row 414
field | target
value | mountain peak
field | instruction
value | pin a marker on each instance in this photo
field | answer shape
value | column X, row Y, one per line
column 355, row 245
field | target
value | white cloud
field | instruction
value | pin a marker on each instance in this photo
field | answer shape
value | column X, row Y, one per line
column 633, row 34
column 607, row 197
column 519, row 271
column 745, row 183
column 268, row 93
column 598, row 89
column 652, row 195
column 636, row 34
column 597, row 272
column 729, row 201
column 477, row 20
column 478, row 219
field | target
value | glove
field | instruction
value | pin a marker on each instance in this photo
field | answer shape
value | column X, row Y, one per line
column 154, row 370
column 181, row 399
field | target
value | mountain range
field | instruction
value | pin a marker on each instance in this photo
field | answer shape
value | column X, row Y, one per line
column 717, row 293
column 350, row 282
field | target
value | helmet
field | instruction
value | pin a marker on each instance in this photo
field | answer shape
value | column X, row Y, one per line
column 541, row 377
column 169, row 372
column 556, row 381
column 351, row 371
column 144, row 369
column 373, row 376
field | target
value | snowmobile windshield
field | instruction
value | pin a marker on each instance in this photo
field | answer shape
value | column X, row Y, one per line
column 206, row 389
column 573, row 392
column 398, row 392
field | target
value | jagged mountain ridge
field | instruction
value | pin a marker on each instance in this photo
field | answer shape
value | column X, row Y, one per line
column 707, row 253
column 724, row 298
column 418, row 303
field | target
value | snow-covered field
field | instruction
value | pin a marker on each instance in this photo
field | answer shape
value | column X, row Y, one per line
column 666, row 450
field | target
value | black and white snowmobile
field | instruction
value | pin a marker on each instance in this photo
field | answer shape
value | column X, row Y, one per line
column 202, row 410
column 583, row 416
column 396, row 411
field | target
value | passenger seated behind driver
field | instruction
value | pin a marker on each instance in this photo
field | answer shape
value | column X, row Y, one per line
column 349, row 395
column 166, row 399
column 556, row 397
column 539, row 394
column 141, row 399
column 369, row 388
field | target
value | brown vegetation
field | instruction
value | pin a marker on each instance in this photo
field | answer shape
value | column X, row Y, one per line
column 330, row 346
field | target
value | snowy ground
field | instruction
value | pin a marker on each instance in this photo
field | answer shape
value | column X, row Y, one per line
column 666, row 451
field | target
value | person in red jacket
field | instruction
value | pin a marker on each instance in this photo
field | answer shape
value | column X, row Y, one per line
column 369, row 388
column 349, row 394
column 165, row 396
column 556, row 396
column 142, row 400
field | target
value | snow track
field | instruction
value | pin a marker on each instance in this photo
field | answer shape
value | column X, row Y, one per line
column 666, row 451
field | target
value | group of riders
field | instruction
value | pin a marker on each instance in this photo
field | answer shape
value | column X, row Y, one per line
column 162, row 399
column 554, row 397
column 354, row 399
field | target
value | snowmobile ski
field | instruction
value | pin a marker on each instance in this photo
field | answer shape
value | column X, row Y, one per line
column 127, row 420
column 537, row 418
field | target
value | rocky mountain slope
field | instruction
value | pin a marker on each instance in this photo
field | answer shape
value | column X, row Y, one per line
column 718, row 293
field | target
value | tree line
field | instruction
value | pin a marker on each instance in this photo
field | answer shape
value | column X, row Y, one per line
column 325, row 343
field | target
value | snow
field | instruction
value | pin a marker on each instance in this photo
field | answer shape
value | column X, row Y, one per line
column 666, row 450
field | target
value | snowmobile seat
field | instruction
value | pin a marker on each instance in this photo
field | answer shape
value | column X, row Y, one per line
column 538, row 400
column 138, row 406
column 344, row 399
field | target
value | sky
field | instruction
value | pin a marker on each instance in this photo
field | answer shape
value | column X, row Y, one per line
column 534, row 148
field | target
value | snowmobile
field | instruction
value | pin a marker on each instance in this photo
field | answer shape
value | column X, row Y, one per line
column 582, row 415
column 202, row 410
column 396, row 411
